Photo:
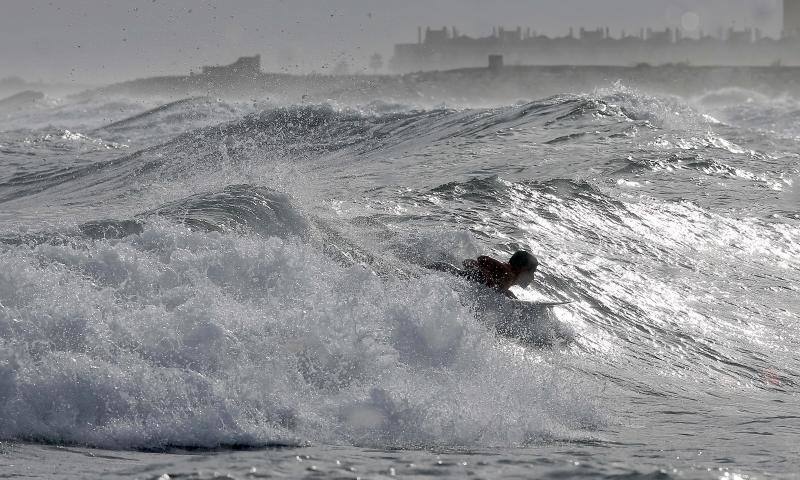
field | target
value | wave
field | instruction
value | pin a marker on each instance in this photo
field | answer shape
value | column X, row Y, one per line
column 238, row 207
column 291, row 133
column 649, row 266
column 167, row 120
column 173, row 337
column 257, row 279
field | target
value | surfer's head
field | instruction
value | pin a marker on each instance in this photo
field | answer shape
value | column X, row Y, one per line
column 524, row 265
column 523, row 261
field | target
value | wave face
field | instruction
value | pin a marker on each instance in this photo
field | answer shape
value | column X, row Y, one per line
column 206, row 273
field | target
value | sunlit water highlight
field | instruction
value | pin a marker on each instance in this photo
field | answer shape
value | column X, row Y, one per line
column 211, row 275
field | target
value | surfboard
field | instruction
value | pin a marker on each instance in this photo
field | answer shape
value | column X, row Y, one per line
column 548, row 304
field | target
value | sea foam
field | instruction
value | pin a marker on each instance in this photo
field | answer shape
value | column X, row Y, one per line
column 174, row 337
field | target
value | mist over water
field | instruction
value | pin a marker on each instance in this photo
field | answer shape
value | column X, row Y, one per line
column 204, row 273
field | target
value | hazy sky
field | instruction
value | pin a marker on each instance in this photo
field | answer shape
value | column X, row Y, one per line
column 97, row 41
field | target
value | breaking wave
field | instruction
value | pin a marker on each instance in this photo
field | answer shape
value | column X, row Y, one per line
column 253, row 275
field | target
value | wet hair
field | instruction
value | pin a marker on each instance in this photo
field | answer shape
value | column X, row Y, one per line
column 523, row 260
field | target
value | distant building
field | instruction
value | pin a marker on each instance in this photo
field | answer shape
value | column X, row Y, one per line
column 243, row 67
column 436, row 36
column 663, row 37
column 791, row 18
column 592, row 35
column 446, row 48
column 740, row 37
column 495, row 62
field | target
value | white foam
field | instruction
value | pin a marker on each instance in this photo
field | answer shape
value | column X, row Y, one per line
column 174, row 337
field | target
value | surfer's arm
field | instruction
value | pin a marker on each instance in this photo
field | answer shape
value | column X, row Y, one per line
column 470, row 264
column 444, row 267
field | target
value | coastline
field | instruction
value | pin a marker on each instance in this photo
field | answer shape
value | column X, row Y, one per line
column 509, row 83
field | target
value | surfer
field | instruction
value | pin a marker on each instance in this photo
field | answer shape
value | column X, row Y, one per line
column 493, row 273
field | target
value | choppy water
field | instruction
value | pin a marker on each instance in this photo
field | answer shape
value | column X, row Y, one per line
column 211, row 275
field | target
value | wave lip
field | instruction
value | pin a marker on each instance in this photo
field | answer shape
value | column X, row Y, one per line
column 237, row 207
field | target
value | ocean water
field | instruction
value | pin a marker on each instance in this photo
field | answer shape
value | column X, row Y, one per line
column 206, row 288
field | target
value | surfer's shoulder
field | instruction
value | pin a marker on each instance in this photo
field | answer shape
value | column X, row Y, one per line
column 487, row 261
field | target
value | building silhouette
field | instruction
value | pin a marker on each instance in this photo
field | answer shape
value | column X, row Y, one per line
column 791, row 18
column 242, row 67
column 447, row 48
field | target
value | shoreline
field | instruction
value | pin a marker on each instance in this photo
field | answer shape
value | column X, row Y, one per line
column 509, row 83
